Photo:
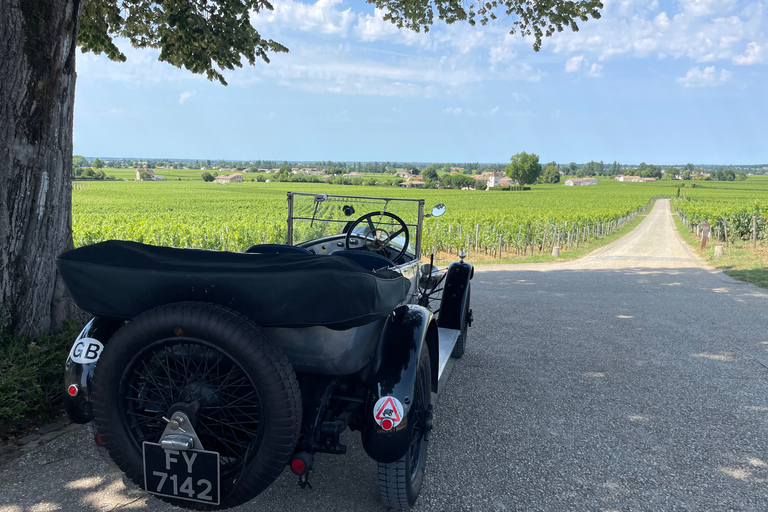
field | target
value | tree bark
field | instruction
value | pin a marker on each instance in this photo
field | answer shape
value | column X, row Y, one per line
column 37, row 65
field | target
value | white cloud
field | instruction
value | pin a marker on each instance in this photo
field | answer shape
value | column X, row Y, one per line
column 661, row 20
column 706, row 7
column 502, row 54
column 515, row 71
column 453, row 110
column 573, row 64
column 321, row 17
column 462, row 37
column 184, row 97
column 335, row 49
column 373, row 27
column 645, row 46
column 753, row 55
column 141, row 67
column 576, row 64
column 324, row 69
column 709, row 77
column 494, row 110
column 702, row 30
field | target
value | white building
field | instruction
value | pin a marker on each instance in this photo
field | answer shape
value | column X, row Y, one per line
column 232, row 178
column 580, row 182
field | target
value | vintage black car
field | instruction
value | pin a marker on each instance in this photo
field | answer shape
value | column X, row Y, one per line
column 205, row 373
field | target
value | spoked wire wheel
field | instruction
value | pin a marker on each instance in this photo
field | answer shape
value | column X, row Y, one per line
column 193, row 376
column 237, row 388
column 400, row 481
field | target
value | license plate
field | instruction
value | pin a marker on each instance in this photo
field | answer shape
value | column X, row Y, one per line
column 191, row 475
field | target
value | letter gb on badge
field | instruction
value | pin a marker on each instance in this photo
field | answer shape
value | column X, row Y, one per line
column 86, row 350
column 388, row 412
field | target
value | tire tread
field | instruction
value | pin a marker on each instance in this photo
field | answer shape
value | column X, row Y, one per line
column 246, row 343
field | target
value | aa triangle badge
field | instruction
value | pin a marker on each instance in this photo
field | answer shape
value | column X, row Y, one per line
column 388, row 412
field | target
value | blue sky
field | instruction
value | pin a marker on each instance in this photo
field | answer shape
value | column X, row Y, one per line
column 664, row 82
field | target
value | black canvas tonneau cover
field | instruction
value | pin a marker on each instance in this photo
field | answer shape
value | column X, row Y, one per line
column 123, row 279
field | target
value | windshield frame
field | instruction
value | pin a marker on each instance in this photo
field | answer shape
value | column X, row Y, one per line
column 419, row 204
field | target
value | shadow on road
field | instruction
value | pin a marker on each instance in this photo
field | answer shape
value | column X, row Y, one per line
column 607, row 389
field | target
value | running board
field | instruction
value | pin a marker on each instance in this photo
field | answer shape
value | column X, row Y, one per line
column 447, row 339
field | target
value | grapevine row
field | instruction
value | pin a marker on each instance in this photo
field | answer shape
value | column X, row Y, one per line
column 186, row 214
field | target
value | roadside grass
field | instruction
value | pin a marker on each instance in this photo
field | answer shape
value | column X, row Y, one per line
column 481, row 258
column 740, row 260
column 32, row 378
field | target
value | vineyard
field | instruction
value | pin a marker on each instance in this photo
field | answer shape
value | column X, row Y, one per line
column 736, row 211
column 233, row 217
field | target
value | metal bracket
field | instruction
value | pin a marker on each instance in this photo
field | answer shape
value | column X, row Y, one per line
column 179, row 434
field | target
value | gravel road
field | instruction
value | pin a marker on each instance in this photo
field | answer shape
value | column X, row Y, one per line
column 634, row 379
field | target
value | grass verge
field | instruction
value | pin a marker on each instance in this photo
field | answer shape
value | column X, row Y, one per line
column 480, row 258
column 32, row 378
column 740, row 261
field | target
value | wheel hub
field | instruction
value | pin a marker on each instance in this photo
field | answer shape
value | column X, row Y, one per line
column 190, row 410
column 427, row 422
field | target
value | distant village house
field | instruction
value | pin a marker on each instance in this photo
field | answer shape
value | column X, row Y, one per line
column 633, row 179
column 232, row 178
column 494, row 179
column 413, row 181
column 580, row 182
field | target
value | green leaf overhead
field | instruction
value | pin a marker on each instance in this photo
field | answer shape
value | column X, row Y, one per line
column 539, row 18
column 203, row 36
column 210, row 36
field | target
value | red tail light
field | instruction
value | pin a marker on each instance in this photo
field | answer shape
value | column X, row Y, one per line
column 298, row 466
column 302, row 463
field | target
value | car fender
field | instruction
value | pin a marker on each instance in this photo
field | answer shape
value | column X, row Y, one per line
column 81, row 362
column 452, row 308
column 409, row 330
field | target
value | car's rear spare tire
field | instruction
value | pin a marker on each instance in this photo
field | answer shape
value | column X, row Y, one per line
column 215, row 362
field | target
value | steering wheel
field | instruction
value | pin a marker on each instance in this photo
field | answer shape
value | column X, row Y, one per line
column 381, row 238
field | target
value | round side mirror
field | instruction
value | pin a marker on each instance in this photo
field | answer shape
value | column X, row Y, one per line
column 438, row 210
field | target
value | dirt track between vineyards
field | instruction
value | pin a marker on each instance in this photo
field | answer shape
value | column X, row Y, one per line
column 634, row 379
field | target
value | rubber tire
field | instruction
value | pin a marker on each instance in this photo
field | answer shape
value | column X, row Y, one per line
column 100, row 451
column 461, row 342
column 399, row 485
column 233, row 334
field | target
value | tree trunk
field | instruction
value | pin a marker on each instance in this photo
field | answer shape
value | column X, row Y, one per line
column 37, row 66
